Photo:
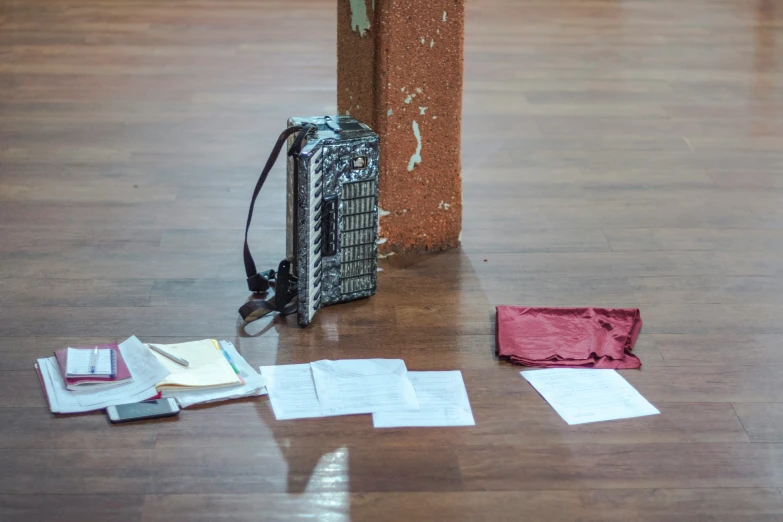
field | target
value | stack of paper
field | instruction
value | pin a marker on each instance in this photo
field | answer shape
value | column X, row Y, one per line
column 383, row 387
column 248, row 382
column 145, row 370
column 207, row 367
column 216, row 372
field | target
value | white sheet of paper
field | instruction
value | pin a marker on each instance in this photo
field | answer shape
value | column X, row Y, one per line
column 144, row 367
column 586, row 395
column 353, row 386
column 443, row 400
column 254, row 384
column 292, row 391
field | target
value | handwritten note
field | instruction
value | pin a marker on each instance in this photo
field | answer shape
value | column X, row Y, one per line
column 586, row 395
column 352, row 386
column 443, row 400
column 292, row 391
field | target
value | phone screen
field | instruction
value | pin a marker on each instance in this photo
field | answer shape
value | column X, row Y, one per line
column 143, row 409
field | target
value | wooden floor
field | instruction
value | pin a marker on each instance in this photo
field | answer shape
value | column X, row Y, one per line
column 616, row 153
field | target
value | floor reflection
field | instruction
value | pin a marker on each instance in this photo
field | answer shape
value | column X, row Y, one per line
column 764, row 52
column 429, row 311
column 330, row 473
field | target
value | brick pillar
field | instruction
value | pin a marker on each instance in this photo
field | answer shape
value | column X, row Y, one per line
column 399, row 69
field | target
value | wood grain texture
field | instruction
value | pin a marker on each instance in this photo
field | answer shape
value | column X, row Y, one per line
column 71, row 508
column 690, row 505
column 608, row 466
column 763, row 421
column 615, row 154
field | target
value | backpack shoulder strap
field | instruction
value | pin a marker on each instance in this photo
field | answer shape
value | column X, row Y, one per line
column 260, row 283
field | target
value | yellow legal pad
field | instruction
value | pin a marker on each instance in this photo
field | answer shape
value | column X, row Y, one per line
column 208, row 366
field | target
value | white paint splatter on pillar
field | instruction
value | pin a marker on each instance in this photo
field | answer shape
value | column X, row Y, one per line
column 359, row 20
column 444, row 16
column 416, row 158
column 422, row 110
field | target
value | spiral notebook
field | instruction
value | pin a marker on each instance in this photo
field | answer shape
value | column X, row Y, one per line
column 119, row 370
column 93, row 362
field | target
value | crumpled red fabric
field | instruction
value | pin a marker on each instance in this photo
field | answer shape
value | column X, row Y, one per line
column 568, row 337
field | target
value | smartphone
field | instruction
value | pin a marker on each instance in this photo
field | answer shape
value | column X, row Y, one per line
column 143, row 410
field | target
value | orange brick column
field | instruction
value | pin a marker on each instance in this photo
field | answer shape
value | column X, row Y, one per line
column 399, row 69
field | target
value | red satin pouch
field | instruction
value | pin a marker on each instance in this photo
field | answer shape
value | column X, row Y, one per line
column 568, row 337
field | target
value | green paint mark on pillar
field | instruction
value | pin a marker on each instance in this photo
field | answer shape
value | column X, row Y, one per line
column 416, row 158
column 359, row 20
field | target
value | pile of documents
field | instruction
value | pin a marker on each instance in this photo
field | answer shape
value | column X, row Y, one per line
column 215, row 372
column 145, row 373
column 382, row 387
column 135, row 373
